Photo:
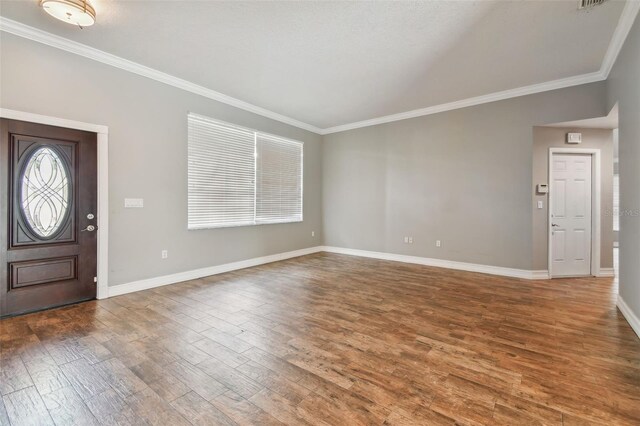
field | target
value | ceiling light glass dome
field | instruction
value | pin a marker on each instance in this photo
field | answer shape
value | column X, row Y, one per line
column 76, row 12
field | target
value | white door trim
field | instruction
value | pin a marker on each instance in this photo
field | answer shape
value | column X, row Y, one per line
column 595, row 205
column 103, row 183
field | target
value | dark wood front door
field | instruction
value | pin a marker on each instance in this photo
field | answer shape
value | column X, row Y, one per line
column 48, row 216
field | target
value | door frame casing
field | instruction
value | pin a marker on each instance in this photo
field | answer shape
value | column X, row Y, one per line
column 596, row 188
column 102, row 286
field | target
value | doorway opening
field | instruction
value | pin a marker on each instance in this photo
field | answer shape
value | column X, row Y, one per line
column 574, row 173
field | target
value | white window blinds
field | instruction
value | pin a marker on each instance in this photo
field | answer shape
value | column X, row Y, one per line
column 221, row 174
column 241, row 177
column 279, row 180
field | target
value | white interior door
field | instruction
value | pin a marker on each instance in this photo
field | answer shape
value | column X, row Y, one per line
column 571, row 215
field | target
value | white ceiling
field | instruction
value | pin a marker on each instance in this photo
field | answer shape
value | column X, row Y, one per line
column 332, row 63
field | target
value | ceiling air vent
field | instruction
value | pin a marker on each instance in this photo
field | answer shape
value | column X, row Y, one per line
column 585, row 4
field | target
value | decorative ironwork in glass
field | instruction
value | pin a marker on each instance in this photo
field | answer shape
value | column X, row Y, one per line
column 45, row 192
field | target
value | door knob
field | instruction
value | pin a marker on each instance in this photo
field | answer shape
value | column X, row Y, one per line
column 89, row 228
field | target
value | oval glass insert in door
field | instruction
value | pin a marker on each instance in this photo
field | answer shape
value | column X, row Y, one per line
column 45, row 192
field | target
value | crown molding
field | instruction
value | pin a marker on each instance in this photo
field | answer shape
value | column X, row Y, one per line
column 627, row 18
column 478, row 100
column 40, row 36
column 620, row 34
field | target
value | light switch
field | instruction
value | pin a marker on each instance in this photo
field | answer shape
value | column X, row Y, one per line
column 133, row 203
column 540, row 204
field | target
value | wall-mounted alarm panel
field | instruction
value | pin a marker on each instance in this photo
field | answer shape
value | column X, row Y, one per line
column 574, row 137
column 542, row 188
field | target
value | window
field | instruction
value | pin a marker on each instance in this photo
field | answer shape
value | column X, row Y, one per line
column 45, row 192
column 240, row 177
column 279, row 180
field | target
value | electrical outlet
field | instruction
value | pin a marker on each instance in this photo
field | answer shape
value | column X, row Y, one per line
column 438, row 243
column 164, row 254
column 410, row 240
column 406, row 240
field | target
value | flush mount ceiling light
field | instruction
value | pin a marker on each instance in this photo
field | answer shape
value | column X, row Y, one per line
column 76, row 12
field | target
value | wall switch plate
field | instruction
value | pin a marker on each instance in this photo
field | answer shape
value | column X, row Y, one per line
column 133, row 203
column 164, row 254
column 313, row 233
column 438, row 243
column 406, row 240
column 410, row 240
column 540, row 205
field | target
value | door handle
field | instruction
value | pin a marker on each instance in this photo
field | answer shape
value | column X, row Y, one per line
column 554, row 224
column 89, row 228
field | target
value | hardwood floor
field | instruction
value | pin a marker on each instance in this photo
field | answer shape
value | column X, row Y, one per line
column 329, row 339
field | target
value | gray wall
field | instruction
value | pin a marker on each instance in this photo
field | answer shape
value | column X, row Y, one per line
column 551, row 137
column 623, row 87
column 148, row 159
column 464, row 177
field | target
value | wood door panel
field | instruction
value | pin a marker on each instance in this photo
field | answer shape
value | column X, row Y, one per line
column 29, row 273
column 48, row 186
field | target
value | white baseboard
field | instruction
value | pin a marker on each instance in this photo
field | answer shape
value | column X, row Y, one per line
column 449, row 264
column 120, row 289
column 607, row 273
column 540, row 275
column 227, row 267
column 631, row 318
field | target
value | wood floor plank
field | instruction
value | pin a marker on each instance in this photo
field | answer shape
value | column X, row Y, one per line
column 228, row 340
column 13, row 375
column 420, row 417
column 221, row 352
column 284, row 410
column 154, row 410
column 329, row 339
column 243, row 411
column 120, row 378
column 231, row 378
column 203, row 384
column 67, row 408
column 25, row 407
column 85, row 378
column 291, row 391
column 110, row 408
column 200, row 412
column 49, row 380
column 284, row 368
column 4, row 418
